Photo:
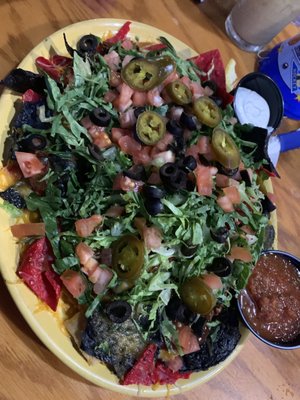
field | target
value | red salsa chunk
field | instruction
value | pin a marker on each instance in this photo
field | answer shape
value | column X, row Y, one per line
column 271, row 300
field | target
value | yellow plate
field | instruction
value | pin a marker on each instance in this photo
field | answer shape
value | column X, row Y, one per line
column 43, row 322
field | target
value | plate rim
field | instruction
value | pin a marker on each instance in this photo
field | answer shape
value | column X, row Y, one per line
column 111, row 24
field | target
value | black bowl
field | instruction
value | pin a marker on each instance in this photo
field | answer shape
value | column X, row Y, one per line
column 295, row 344
column 268, row 89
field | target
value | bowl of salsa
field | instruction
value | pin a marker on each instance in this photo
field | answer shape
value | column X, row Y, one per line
column 270, row 303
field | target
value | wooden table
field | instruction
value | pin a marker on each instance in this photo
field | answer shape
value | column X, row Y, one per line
column 27, row 369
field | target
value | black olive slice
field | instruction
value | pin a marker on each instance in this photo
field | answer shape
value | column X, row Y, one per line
column 151, row 191
column 95, row 152
column 188, row 121
column 219, row 235
column 174, row 128
column 136, row 172
column 138, row 111
column 220, row 266
column 118, row 311
column 188, row 250
column 154, row 206
column 189, row 163
column 88, row 44
column 100, row 117
column 33, row 143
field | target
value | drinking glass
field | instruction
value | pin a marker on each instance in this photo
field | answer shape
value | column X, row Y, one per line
column 254, row 23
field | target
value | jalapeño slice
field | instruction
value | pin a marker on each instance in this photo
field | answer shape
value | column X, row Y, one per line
column 207, row 111
column 144, row 74
column 150, row 127
column 225, row 149
column 179, row 93
column 197, row 296
column 128, row 257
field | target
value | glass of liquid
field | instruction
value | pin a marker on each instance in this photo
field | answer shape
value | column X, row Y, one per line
column 254, row 23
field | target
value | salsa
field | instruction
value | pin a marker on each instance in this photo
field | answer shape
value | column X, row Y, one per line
column 271, row 299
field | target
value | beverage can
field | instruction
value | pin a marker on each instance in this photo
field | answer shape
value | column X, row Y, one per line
column 282, row 64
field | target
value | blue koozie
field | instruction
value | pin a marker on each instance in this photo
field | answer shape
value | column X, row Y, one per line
column 282, row 64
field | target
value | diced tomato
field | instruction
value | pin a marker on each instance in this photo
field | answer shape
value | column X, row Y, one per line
column 9, row 176
column 117, row 133
column 123, row 101
column 152, row 237
column 110, row 96
column 85, row 226
column 30, row 229
column 240, row 253
column 95, row 131
column 204, row 180
column 154, row 98
column 29, row 164
column 225, row 203
column 122, row 182
column 170, row 78
column 233, row 194
column 143, row 157
column 213, row 281
column 197, row 90
column 115, row 78
column 30, row 96
column 74, row 282
column 127, row 45
column 120, row 35
column 129, row 145
column 139, row 99
column 154, row 179
column 113, row 60
column 187, row 339
column 103, row 280
column 84, row 252
column 193, row 151
column 115, row 211
column 126, row 60
column 86, row 122
column 163, row 144
column 208, row 91
column 223, row 181
column 36, row 271
column 203, row 145
column 186, row 81
column 37, row 185
column 102, row 141
column 92, row 270
column 247, row 229
column 127, row 119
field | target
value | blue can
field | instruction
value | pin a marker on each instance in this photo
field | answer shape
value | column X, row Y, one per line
column 282, row 64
